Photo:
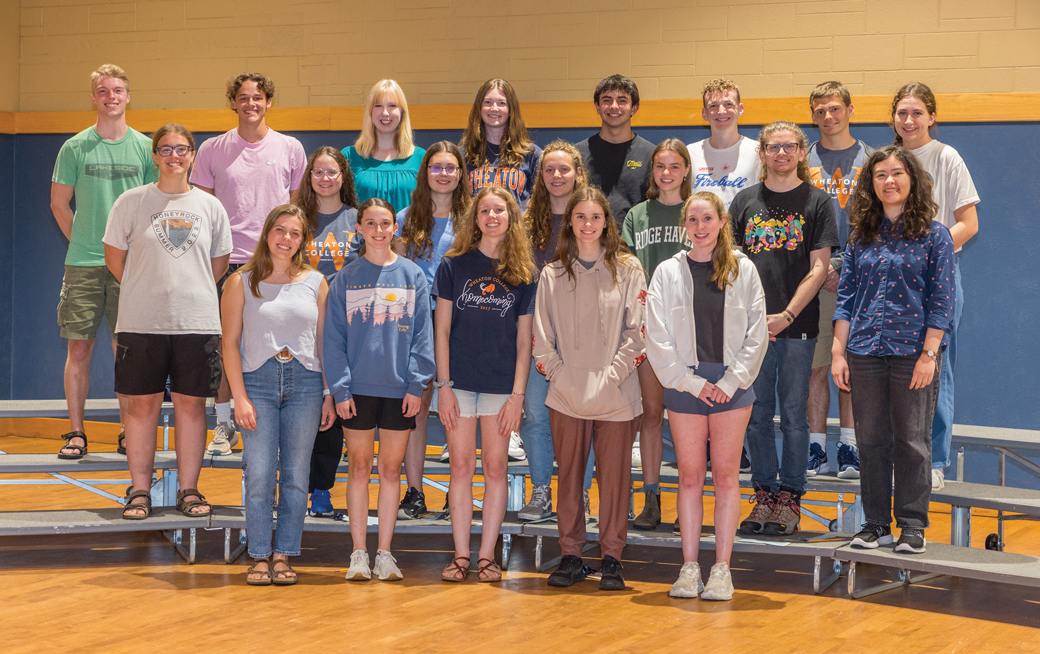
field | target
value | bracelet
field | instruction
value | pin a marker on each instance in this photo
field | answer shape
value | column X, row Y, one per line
column 787, row 316
column 447, row 382
column 520, row 393
column 326, row 392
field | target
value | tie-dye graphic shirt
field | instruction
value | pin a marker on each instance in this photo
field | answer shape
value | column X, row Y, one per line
column 778, row 231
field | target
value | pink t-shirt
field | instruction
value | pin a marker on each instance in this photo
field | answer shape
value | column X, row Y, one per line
column 249, row 179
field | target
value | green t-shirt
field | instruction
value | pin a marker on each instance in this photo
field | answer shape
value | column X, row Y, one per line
column 653, row 233
column 100, row 171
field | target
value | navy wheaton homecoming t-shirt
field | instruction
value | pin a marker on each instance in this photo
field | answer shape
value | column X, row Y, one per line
column 484, row 314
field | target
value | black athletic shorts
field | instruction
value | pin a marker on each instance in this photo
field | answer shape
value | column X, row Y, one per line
column 144, row 361
column 383, row 412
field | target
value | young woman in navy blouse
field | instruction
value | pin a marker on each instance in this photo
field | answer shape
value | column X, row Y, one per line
column 895, row 307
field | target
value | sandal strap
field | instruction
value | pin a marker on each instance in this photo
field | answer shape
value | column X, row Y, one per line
column 190, row 491
column 490, row 566
column 281, row 573
column 256, row 562
column 74, row 434
column 459, row 568
column 139, row 493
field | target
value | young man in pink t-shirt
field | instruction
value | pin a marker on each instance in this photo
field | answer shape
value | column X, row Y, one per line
column 251, row 169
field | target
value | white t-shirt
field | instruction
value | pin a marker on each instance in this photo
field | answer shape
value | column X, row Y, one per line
column 167, row 285
column 249, row 179
column 724, row 172
column 952, row 187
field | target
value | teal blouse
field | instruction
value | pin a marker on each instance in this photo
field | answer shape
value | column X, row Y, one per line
column 392, row 181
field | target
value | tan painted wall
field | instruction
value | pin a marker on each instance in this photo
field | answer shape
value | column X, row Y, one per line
column 9, row 55
column 178, row 53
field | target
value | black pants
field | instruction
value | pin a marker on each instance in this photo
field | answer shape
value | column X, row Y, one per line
column 325, row 457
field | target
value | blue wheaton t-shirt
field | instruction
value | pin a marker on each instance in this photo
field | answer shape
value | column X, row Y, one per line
column 484, row 315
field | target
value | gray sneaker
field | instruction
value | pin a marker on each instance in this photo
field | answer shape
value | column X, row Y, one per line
column 540, row 505
column 225, row 437
column 689, row 583
column 386, row 567
column 588, row 506
column 720, row 584
column 359, row 570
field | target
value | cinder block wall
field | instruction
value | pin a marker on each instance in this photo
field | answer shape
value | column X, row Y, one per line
column 328, row 52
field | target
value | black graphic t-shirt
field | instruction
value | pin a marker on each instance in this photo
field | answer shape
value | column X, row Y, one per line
column 778, row 231
column 620, row 170
column 169, row 239
column 484, row 315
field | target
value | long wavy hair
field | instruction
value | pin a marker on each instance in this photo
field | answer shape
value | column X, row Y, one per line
column 539, row 210
column 260, row 265
column 515, row 262
column 404, row 140
column 305, row 197
column 515, row 141
column 615, row 251
column 920, row 91
column 866, row 211
column 417, row 231
column 799, row 135
column 679, row 148
column 723, row 260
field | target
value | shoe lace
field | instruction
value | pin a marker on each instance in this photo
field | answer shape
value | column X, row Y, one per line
column 359, row 556
column 540, row 495
column 786, row 501
column 761, row 497
column 717, row 575
column 384, row 555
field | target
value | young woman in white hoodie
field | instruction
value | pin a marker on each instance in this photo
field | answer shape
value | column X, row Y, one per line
column 588, row 341
column 706, row 338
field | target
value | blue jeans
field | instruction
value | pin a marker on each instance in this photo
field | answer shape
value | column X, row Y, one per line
column 536, row 435
column 784, row 375
column 942, row 424
column 287, row 398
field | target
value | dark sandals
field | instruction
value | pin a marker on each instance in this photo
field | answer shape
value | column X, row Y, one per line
column 452, row 570
column 279, row 576
column 490, row 572
column 145, row 506
column 186, row 506
column 80, row 449
column 121, row 449
column 265, row 575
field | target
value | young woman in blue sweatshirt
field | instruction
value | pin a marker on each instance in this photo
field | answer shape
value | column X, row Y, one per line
column 378, row 351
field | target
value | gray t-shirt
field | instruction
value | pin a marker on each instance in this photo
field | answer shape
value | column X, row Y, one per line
column 836, row 171
column 167, row 285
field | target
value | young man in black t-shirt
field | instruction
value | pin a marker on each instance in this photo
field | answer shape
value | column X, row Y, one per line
column 786, row 226
column 616, row 160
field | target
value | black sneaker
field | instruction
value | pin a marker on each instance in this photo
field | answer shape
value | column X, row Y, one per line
column 911, row 541
column 610, row 574
column 413, row 506
column 745, row 462
column 872, row 536
column 651, row 514
column 570, row 572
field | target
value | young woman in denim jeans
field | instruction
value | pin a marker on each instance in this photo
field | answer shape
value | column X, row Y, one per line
column 895, row 306
column 273, row 312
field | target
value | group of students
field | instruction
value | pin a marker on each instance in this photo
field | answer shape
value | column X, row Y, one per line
column 336, row 294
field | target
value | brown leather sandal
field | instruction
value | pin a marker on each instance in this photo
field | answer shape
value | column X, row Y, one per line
column 81, row 450
column 280, row 577
column 265, row 575
column 488, row 573
column 186, row 506
column 453, row 570
column 145, row 506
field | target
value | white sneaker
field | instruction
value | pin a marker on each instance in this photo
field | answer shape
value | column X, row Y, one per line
column 444, row 453
column 938, row 479
column 689, row 583
column 720, row 584
column 359, row 570
column 386, row 567
column 637, row 457
column 516, row 447
column 225, row 437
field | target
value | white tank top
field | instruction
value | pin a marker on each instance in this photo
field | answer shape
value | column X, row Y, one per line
column 286, row 317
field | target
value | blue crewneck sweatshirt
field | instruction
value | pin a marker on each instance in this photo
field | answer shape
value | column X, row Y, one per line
column 378, row 340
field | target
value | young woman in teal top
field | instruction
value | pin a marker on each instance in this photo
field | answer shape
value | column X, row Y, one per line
column 385, row 159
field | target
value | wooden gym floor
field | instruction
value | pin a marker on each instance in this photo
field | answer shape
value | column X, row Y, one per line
column 133, row 593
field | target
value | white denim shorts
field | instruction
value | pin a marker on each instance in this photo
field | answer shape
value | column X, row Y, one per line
column 474, row 405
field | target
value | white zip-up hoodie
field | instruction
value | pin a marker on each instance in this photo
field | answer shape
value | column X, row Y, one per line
column 671, row 338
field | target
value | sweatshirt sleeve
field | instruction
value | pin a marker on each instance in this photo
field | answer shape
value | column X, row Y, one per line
column 546, row 356
column 334, row 341
column 421, row 366
column 671, row 370
column 748, row 361
column 632, row 350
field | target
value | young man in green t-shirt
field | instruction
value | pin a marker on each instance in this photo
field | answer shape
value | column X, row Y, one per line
column 94, row 167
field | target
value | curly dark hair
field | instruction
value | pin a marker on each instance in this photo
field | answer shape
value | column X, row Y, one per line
column 866, row 211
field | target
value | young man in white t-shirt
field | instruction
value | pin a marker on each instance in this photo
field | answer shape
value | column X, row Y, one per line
column 834, row 165
column 726, row 162
column 251, row 169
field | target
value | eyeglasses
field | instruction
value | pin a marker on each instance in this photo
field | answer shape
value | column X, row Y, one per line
column 789, row 148
column 318, row 173
column 447, row 170
column 167, row 150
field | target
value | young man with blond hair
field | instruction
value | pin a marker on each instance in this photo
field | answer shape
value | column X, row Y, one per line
column 726, row 162
column 94, row 167
column 251, row 169
column 834, row 164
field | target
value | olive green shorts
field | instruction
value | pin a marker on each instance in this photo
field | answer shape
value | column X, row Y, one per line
column 822, row 354
column 88, row 293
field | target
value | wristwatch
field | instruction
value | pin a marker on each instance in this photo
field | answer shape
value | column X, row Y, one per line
column 447, row 382
column 930, row 354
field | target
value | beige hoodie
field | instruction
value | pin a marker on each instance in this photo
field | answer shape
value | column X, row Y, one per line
column 588, row 338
